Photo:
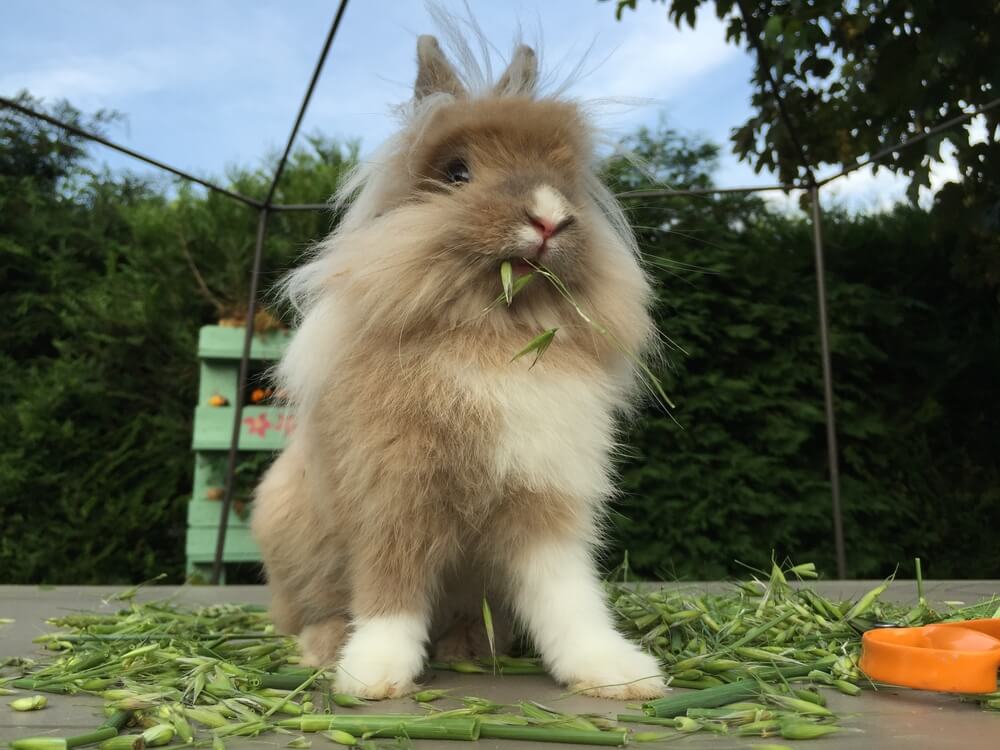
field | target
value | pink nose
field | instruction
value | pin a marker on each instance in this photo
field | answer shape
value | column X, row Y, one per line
column 545, row 227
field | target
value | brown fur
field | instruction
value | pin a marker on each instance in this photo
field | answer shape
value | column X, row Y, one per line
column 389, row 498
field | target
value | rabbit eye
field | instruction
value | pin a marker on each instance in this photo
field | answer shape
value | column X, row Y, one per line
column 457, row 171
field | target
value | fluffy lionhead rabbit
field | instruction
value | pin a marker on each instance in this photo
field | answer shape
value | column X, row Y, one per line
column 428, row 468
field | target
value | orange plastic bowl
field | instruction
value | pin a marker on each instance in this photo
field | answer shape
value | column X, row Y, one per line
column 954, row 657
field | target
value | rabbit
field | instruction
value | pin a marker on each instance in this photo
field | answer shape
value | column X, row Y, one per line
column 428, row 467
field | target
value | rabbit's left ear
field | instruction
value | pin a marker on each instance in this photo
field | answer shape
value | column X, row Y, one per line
column 434, row 73
column 521, row 75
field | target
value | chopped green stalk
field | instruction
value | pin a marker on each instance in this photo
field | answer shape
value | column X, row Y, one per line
column 464, row 667
column 614, row 738
column 865, row 602
column 813, row 696
column 643, row 719
column 158, row 735
column 847, row 688
column 124, row 742
column 181, row 726
column 304, row 686
column 554, row 718
column 677, row 705
column 129, row 594
column 39, row 743
column 800, row 706
column 279, row 681
column 650, row 736
column 696, row 684
column 487, row 614
column 43, row 685
column 920, row 583
column 762, row 728
column 205, row 716
column 34, row 703
column 430, row 695
column 806, row 731
column 341, row 737
column 300, row 742
column 347, row 701
column 685, row 724
column 106, row 731
column 414, row 726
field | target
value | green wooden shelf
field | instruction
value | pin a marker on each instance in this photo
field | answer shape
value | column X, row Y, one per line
column 218, row 342
column 240, row 548
column 263, row 429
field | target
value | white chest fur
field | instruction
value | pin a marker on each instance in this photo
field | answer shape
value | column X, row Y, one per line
column 556, row 430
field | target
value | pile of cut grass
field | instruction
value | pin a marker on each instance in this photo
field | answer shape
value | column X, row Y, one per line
column 760, row 655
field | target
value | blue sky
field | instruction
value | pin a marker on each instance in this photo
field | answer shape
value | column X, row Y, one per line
column 205, row 85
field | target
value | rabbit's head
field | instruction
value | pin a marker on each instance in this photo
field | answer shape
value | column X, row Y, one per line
column 479, row 175
column 504, row 176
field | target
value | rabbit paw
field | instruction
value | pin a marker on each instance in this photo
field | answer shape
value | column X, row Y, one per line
column 382, row 659
column 618, row 670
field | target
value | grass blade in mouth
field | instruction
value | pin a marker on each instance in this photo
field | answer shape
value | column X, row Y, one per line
column 646, row 375
column 507, row 281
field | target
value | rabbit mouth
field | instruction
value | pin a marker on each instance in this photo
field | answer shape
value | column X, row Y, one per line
column 522, row 267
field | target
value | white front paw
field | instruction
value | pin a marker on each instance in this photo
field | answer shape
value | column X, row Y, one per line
column 382, row 659
column 612, row 667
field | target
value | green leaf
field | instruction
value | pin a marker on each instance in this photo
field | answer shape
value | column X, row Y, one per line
column 539, row 344
column 772, row 30
column 507, row 281
column 488, row 624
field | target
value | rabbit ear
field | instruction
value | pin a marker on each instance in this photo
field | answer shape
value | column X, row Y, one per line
column 521, row 75
column 434, row 73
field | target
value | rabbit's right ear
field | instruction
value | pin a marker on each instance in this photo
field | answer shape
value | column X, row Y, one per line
column 434, row 73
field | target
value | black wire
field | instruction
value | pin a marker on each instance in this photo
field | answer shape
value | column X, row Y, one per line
column 127, row 151
column 305, row 101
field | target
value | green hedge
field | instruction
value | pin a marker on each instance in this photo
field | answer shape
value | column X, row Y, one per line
column 105, row 279
column 916, row 362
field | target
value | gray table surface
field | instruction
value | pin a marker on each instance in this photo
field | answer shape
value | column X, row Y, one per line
column 887, row 720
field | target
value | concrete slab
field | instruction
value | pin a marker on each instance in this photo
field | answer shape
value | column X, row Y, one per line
column 891, row 719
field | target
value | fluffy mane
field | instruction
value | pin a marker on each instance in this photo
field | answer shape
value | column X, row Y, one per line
column 375, row 184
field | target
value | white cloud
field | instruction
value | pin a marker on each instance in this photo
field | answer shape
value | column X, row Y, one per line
column 656, row 60
column 89, row 81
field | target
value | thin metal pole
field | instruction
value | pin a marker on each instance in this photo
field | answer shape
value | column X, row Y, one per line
column 127, row 151
column 220, row 544
column 305, row 101
column 280, row 207
column 831, row 425
column 227, row 497
column 907, row 142
column 668, row 193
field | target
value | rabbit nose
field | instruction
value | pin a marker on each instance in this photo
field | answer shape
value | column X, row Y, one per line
column 546, row 227
column 549, row 213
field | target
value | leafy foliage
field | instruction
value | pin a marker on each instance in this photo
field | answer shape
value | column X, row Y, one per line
column 859, row 77
column 747, row 474
column 97, row 347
